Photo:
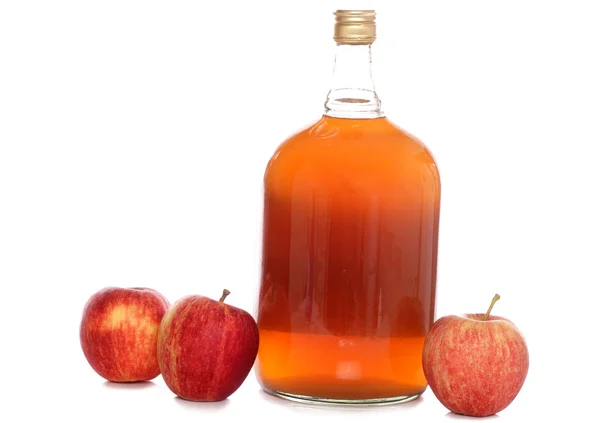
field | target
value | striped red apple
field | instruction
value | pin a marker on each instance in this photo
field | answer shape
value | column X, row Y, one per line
column 206, row 348
column 475, row 364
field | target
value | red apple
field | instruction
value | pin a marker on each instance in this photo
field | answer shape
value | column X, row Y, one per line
column 475, row 364
column 118, row 333
column 206, row 348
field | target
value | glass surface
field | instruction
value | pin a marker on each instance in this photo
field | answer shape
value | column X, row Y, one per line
column 348, row 287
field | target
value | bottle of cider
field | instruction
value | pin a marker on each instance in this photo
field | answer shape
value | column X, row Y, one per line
column 349, row 249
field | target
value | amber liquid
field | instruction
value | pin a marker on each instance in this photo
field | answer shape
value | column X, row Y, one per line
column 348, row 286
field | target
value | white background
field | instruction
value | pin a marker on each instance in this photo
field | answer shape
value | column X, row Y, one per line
column 133, row 140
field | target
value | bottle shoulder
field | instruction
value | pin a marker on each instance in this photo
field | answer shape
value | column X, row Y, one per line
column 351, row 142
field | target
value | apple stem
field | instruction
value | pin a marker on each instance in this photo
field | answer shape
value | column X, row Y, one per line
column 225, row 294
column 487, row 315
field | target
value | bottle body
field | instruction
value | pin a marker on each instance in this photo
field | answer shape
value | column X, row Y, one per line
column 350, row 235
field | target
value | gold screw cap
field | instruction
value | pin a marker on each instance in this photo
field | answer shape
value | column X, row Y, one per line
column 354, row 27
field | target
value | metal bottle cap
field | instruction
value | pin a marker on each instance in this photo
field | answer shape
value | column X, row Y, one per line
column 354, row 27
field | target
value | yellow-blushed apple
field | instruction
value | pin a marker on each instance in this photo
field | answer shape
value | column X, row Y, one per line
column 118, row 333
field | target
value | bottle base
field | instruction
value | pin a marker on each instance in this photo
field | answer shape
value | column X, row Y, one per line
column 342, row 402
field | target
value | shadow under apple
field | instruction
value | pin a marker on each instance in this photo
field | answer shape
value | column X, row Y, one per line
column 129, row 385
column 455, row 416
column 204, row 405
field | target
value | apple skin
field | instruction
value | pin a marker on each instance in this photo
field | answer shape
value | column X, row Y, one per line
column 206, row 348
column 119, row 330
column 475, row 367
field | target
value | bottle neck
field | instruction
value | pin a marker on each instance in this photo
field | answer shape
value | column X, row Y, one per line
column 352, row 94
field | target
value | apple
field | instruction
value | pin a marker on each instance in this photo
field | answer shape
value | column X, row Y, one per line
column 206, row 348
column 475, row 364
column 119, row 330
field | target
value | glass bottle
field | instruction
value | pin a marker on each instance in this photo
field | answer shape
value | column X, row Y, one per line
column 350, row 238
